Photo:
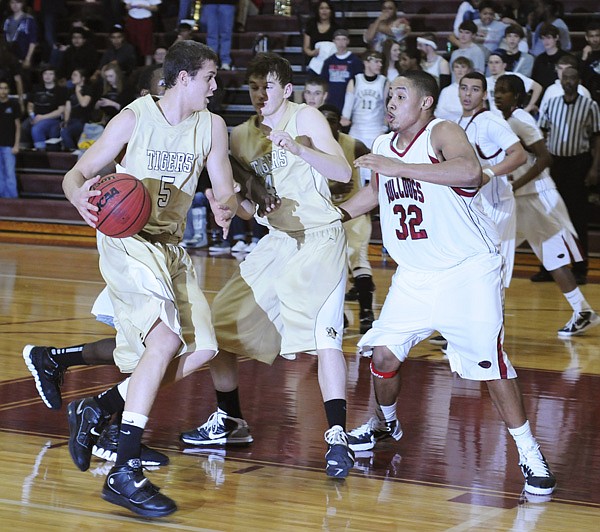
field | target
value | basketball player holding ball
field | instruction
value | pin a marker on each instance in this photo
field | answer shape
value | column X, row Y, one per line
column 161, row 316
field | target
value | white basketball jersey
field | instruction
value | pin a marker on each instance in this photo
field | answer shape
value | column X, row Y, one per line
column 427, row 226
column 491, row 136
column 526, row 128
column 368, row 112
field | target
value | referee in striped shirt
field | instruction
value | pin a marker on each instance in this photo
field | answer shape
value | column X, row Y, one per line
column 572, row 126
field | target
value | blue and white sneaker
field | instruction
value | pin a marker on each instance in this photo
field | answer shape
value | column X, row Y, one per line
column 220, row 429
column 339, row 456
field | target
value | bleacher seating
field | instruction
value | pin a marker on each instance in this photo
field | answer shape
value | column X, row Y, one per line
column 39, row 174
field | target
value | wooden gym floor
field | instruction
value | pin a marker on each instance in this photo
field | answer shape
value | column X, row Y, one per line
column 454, row 469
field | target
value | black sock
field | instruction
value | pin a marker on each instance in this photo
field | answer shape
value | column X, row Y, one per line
column 130, row 441
column 365, row 287
column 110, row 400
column 68, row 356
column 230, row 402
column 335, row 409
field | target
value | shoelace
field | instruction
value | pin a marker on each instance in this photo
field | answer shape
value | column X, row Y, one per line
column 373, row 424
column 336, row 436
column 212, row 423
column 533, row 460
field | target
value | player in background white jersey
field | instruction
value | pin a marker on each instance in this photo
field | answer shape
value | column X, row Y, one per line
column 500, row 152
column 426, row 179
column 542, row 217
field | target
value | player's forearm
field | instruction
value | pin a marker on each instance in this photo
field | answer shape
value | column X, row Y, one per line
column 364, row 201
column 511, row 162
column 72, row 181
column 331, row 166
column 459, row 172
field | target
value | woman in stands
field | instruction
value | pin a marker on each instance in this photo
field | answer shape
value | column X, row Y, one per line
column 78, row 110
column 391, row 59
column 388, row 25
column 319, row 28
column 114, row 96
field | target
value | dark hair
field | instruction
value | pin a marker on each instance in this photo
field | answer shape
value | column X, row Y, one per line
column 145, row 79
column 425, row 83
column 266, row 63
column 593, row 26
column 548, row 29
column 487, row 5
column 464, row 61
column 189, row 56
column 568, row 59
column 500, row 53
column 412, row 52
column 515, row 86
column 327, row 107
column 316, row 10
column 468, row 25
column 316, row 80
column 514, row 28
column 387, row 46
column 476, row 75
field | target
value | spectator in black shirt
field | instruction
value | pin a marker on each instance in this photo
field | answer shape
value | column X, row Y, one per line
column 80, row 54
column 114, row 96
column 544, row 66
column 45, row 106
column 119, row 50
column 590, row 59
column 10, row 71
column 78, row 110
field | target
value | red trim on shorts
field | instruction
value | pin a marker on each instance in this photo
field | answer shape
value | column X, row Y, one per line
column 500, row 354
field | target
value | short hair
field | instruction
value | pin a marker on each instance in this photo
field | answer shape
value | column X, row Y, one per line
column 499, row 53
column 145, row 79
column 464, row 61
column 327, row 107
column 476, row 75
column 425, row 83
column 189, row 56
column 568, row 59
column 468, row 25
column 593, row 25
column 486, row 4
column 515, row 85
column 549, row 30
column 266, row 63
column 316, row 80
column 516, row 29
column 371, row 54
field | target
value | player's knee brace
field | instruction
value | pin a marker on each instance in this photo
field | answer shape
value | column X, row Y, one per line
column 383, row 374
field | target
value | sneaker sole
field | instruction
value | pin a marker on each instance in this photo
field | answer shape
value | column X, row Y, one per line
column 361, row 446
column 219, row 441
column 111, row 456
column 564, row 334
column 38, row 384
column 539, row 491
column 119, row 500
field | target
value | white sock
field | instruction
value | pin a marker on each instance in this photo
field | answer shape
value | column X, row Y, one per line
column 523, row 436
column 389, row 412
column 122, row 387
column 135, row 419
column 577, row 301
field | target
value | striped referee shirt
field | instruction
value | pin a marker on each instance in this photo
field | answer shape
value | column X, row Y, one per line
column 570, row 125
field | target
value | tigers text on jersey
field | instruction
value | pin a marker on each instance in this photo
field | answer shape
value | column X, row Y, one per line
column 427, row 226
column 304, row 192
column 168, row 159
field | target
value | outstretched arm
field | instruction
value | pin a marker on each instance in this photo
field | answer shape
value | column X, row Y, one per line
column 458, row 165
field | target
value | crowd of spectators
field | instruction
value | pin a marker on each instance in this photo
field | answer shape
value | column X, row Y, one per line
column 60, row 86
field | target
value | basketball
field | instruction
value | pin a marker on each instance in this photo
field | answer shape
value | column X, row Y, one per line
column 124, row 205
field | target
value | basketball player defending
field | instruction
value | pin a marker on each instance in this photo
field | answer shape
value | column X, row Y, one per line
column 449, row 269
column 150, row 278
column 288, row 295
